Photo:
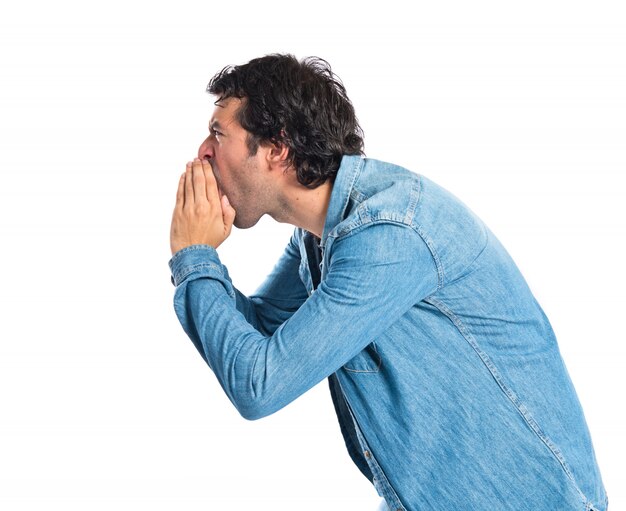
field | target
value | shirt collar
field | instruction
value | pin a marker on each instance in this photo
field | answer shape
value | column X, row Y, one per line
column 342, row 187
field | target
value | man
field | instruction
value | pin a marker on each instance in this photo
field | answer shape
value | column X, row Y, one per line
column 445, row 373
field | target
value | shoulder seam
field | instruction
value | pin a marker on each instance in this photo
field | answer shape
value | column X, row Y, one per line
column 414, row 228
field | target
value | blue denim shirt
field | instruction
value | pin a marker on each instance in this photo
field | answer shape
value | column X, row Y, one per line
column 444, row 371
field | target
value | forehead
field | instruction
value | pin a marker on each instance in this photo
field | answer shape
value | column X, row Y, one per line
column 225, row 112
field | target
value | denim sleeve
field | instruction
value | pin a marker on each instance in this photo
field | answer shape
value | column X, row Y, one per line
column 374, row 276
column 279, row 296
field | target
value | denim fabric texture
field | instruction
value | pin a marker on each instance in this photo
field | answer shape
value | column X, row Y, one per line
column 445, row 373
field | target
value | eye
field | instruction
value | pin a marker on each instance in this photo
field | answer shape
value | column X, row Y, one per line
column 215, row 132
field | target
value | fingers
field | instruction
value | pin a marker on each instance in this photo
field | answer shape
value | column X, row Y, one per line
column 228, row 215
column 180, row 193
column 189, row 198
column 210, row 182
column 200, row 217
column 199, row 187
column 202, row 182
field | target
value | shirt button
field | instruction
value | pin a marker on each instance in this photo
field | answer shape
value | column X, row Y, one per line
column 367, row 454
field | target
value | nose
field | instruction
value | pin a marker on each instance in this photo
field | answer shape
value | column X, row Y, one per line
column 205, row 151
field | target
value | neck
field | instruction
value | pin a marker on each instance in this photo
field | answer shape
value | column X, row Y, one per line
column 304, row 207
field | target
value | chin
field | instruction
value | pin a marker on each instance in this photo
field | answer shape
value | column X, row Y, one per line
column 245, row 223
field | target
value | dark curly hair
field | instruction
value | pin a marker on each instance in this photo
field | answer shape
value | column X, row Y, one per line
column 300, row 104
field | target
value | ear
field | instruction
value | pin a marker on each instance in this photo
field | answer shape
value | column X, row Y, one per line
column 277, row 154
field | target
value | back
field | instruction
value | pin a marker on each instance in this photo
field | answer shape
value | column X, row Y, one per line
column 469, row 402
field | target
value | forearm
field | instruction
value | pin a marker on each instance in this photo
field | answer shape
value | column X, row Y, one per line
column 260, row 312
column 277, row 298
column 260, row 374
column 208, row 307
column 263, row 313
column 230, row 330
column 360, row 297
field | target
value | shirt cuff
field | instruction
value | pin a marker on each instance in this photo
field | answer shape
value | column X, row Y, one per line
column 195, row 261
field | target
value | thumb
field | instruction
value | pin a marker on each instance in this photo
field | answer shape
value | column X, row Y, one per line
column 228, row 213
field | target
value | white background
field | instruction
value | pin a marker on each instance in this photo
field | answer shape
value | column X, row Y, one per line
column 517, row 108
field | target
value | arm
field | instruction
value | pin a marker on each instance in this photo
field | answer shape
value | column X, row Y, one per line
column 279, row 296
column 202, row 218
column 366, row 289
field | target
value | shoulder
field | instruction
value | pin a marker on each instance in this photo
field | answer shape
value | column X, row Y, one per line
column 381, row 192
column 423, row 213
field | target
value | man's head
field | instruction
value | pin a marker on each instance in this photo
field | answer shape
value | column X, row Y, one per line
column 300, row 105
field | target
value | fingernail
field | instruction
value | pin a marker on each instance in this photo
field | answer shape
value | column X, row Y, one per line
column 226, row 201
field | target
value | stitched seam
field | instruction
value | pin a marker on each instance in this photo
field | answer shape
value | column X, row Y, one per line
column 190, row 269
column 416, row 229
column 440, row 273
column 191, row 248
column 377, row 471
column 375, row 370
column 356, row 170
column 414, row 199
column 508, row 392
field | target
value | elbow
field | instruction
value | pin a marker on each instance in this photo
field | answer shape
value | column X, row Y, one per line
column 253, row 410
column 256, row 406
column 254, row 394
column 252, row 415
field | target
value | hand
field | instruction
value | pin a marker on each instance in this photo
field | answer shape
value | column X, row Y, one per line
column 200, row 217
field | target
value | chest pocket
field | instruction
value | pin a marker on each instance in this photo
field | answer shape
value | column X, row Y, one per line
column 367, row 361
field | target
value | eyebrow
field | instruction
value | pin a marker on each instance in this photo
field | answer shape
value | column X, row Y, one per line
column 215, row 125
